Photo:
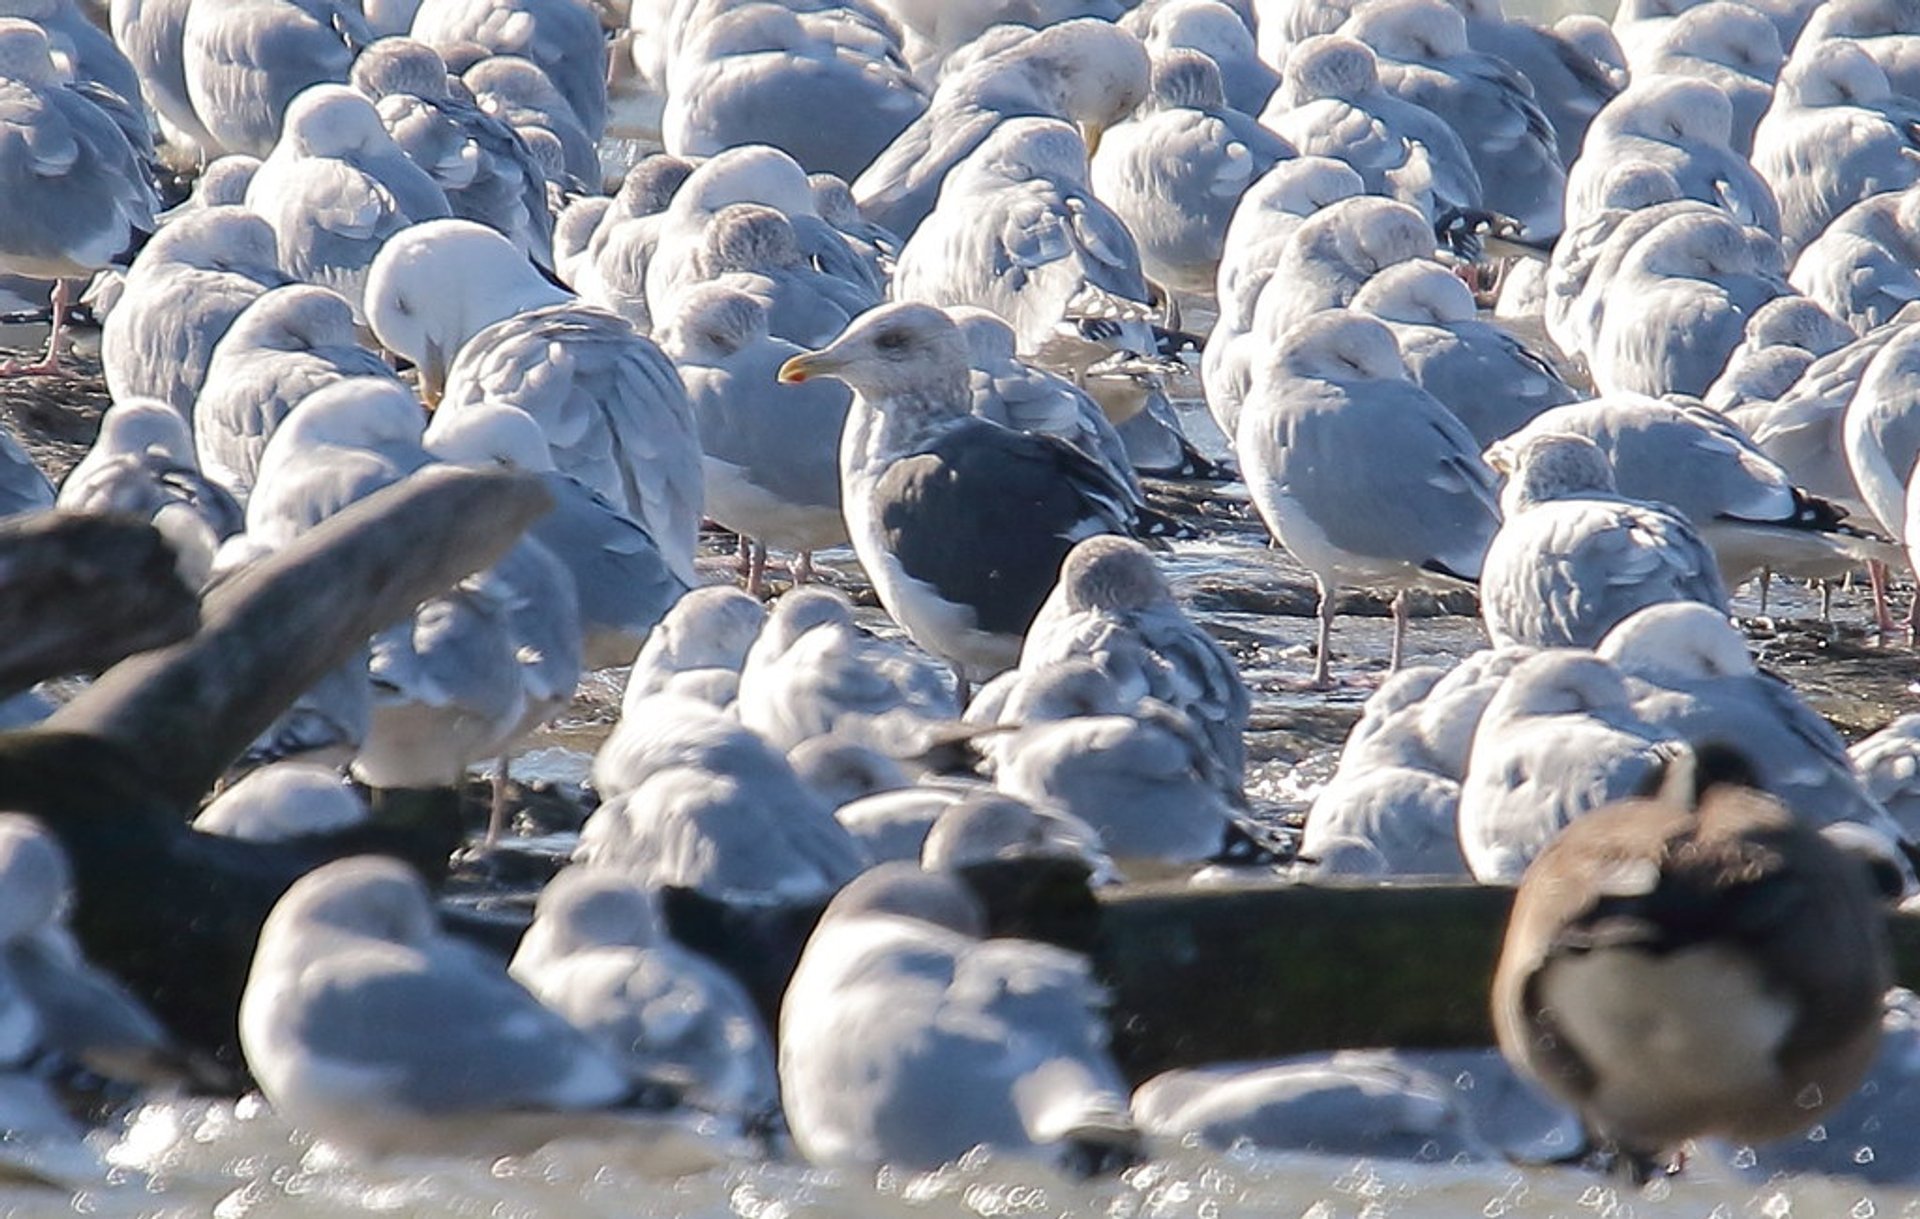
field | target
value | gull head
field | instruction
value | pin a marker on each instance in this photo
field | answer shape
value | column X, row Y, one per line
column 902, row 890
column 1107, row 572
column 400, row 65
column 904, row 352
column 1549, row 466
column 750, row 237
column 649, row 187
column 297, row 317
column 366, row 898
column 221, row 238
column 712, row 322
column 584, row 908
column 1330, row 65
column 487, row 435
column 1339, row 346
column 1683, row 640
column 1189, row 79
column 329, row 120
column 25, row 53
column 1416, row 292
column 1412, row 31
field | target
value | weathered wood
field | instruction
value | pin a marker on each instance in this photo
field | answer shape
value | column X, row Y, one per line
column 173, row 912
column 79, row 593
column 272, row 630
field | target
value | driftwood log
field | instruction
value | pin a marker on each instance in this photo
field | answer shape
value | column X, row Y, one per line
column 117, row 772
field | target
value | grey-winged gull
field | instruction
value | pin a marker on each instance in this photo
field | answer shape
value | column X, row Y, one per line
column 611, row 268
column 599, row 954
column 1881, row 429
column 336, row 188
column 756, row 249
column 343, row 443
column 771, row 450
column 1329, row 256
column 246, row 60
column 1697, row 462
column 1423, row 57
column 1694, row 281
column 1174, row 171
column 516, row 91
column 767, row 74
column 368, row 1025
column 1570, row 86
column 561, row 37
column 960, row 524
column 482, row 324
column 1888, row 762
column 290, row 342
column 486, row 170
column 710, row 629
column 1331, row 103
column 182, row 293
column 841, row 771
column 1574, row 557
column 1783, row 339
column 815, row 672
column 142, row 464
column 1862, row 267
column 78, row 198
column 1735, row 46
column 1632, row 198
column 1836, row 133
column 1086, row 72
column 1560, row 738
column 624, row 584
column 1490, row 380
column 1363, row 476
column 152, row 33
column 1216, row 31
column 908, row 1038
column 1112, row 605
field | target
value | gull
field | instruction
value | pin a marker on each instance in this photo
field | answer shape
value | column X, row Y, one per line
column 1218, row 32
column 1174, row 171
column 368, row 1025
column 483, row 325
column 1736, row 47
column 611, row 268
column 560, row 37
column 336, row 188
column 771, row 450
column 960, row 524
column 599, row 954
column 709, row 629
column 1424, row 58
column 78, row 197
column 290, row 342
column 1086, row 72
column 907, row 1038
column 485, row 169
column 1862, row 266
column 1492, row 382
column 1331, row 103
column 1363, row 476
column 152, row 33
column 1112, row 605
column 519, row 93
column 755, row 249
column 283, row 801
column 1888, row 762
column 1574, row 557
column 1569, row 85
column 246, row 60
column 1783, row 339
column 182, row 293
column 1836, row 134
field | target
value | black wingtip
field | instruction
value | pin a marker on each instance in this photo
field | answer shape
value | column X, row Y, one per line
column 137, row 241
column 1247, row 846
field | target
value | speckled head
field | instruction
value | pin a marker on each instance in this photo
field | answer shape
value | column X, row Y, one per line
column 1113, row 573
column 400, row 65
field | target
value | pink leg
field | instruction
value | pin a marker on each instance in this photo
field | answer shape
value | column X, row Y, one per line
column 1399, row 631
column 757, row 570
column 49, row 364
column 1877, row 583
column 803, row 568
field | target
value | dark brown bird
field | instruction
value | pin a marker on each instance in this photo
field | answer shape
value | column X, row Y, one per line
column 1693, row 963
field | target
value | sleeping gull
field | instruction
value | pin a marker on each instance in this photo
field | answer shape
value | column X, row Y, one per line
column 246, row 60
column 1424, row 58
column 223, row 182
column 483, row 325
column 1331, row 103
column 561, row 37
column 1143, row 776
column 1703, row 687
column 343, row 443
column 623, row 582
column 755, row 249
column 368, row 1025
column 152, row 33
column 1174, row 170
column 518, row 93
column 1683, row 125
column 485, row 169
column 1216, row 31
column 771, row 450
column 336, row 188
column 283, row 801
column 1490, row 380
column 1734, row 46
column 1363, row 476
column 766, row 73
column 710, row 629
column 1865, row 266
column 1574, row 557
column 610, row 269
column 1783, row 338
column 987, row 829
column 1112, row 605
column 1888, row 762
column 1017, row 230
column 142, row 464
column 599, row 954
column 182, row 293
column 1592, row 36
column 841, row 771
column 1560, row 738
column 908, row 1038
column 79, row 198
column 1086, row 72
column 1696, row 462
column 1694, row 281
column 691, row 799
column 1836, row 133
column 1329, row 256
column 287, row 344
column 1570, row 87
column 1881, row 429
column 960, row 524
column 815, row 672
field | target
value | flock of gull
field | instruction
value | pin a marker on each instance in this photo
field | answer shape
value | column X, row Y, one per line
column 1605, row 320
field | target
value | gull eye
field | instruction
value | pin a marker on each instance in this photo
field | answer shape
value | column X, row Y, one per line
column 890, row 340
